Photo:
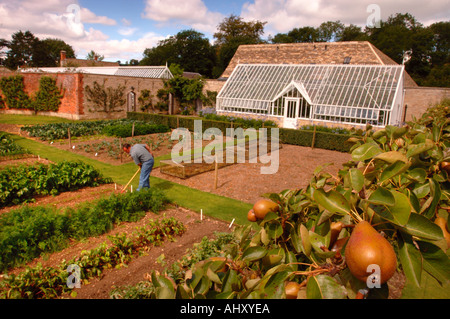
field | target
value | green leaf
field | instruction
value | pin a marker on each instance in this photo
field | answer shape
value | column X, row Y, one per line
column 230, row 281
column 392, row 157
column 393, row 170
column 410, row 258
column 181, row 293
column 435, row 262
column 435, row 193
column 306, row 244
column 422, row 190
column 295, row 241
column 401, row 209
column 417, row 174
column 356, row 179
column 366, row 151
column 416, row 149
column 164, row 293
column 422, row 227
column 324, row 287
column 382, row 196
column 274, row 287
column 213, row 276
column 254, row 253
column 332, row 201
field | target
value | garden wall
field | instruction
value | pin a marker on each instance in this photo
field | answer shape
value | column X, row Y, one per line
column 131, row 84
column 418, row 99
column 71, row 86
column 74, row 104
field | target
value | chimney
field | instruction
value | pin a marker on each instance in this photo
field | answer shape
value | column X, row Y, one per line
column 62, row 61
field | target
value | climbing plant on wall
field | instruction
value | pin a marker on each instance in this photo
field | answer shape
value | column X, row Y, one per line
column 105, row 99
column 48, row 98
column 13, row 90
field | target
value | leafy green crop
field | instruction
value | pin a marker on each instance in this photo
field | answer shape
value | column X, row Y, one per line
column 28, row 232
column 119, row 128
column 21, row 183
column 8, row 147
column 47, row 282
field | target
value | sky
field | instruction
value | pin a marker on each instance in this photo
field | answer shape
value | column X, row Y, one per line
column 123, row 29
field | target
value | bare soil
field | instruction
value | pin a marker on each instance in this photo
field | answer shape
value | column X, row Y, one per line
column 245, row 182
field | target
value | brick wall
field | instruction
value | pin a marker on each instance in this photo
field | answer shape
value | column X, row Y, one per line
column 74, row 104
column 418, row 99
column 70, row 85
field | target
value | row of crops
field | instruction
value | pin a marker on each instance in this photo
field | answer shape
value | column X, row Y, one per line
column 22, row 183
column 8, row 148
column 118, row 128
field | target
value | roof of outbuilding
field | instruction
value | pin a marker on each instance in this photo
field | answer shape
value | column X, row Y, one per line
column 155, row 72
column 359, row 52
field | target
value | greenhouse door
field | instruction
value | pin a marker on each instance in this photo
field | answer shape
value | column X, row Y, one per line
column 290, row 112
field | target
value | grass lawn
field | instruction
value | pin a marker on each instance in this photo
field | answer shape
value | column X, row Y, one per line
column 30, row 119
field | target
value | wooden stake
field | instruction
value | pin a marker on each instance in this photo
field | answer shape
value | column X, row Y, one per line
column 314, row 137
column 70, row 140
column 216, row 169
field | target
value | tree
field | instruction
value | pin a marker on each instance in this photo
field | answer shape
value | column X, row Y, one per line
column 54, row 47
column 92, row 55
column 400, row 33
column 330, row 31
column 107, row 100
column 188, row 48
column 232, row 32
column 352, row 33
column 27, row 50
column 21, row 48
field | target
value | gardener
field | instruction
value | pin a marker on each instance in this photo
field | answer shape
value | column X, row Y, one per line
column 143, row 157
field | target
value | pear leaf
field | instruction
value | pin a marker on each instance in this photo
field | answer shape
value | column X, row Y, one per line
column 410, row 258
column 382, row 196
column 366, row 151
column 324, row 287
column 332, row 201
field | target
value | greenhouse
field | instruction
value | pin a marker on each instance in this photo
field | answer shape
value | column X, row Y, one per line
column 301, row 94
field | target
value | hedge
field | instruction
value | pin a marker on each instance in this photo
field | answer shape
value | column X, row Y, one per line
column 323, row 140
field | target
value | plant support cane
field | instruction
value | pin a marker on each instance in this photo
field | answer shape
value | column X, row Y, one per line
column 123, row 189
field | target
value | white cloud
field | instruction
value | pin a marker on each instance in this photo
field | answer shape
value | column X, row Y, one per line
column 187, row 12
column 67, row 21
column 284, row 15
column 127, row 31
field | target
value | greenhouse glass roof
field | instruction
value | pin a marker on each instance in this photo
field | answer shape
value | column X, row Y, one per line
column 255, row 86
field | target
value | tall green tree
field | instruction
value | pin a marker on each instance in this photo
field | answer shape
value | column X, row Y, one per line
column 231, row 33
column 21, row 49
column 190, row 49
column 25, row 49
column 53, row 49
column 401, row 33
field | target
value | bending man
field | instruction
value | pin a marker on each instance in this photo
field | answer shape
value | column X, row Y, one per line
column 143, row 157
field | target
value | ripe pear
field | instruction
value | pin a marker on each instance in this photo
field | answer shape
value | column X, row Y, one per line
column 291, row 289
column 368, row 247
column 251, row 216
column 264, row 206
